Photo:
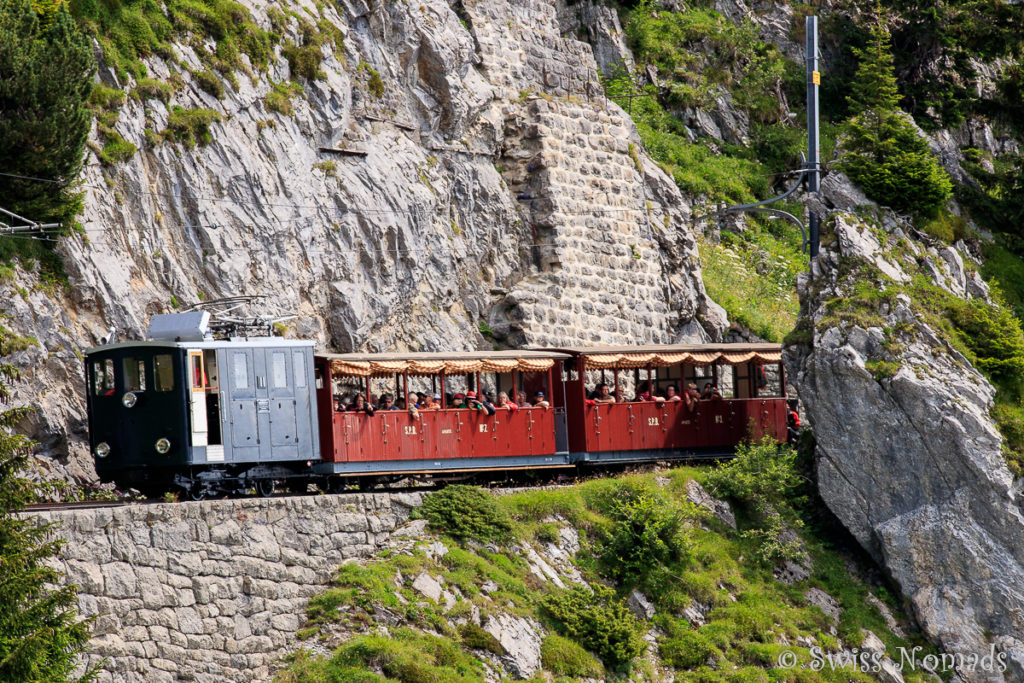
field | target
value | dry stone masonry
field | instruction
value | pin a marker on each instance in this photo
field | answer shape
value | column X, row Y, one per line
column 212, row 591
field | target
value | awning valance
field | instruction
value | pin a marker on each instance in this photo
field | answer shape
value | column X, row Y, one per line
column 602, row 361
column 433, row 367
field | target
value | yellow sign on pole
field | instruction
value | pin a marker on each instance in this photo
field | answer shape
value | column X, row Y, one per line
column 816, row 77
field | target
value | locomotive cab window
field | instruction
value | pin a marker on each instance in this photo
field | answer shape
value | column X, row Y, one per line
column 198, row 375
column 134, row 374
column 103, row 377
column 163, row 372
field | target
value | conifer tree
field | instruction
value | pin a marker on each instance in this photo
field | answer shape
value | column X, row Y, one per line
column 46, row 69
column 41, row 634
column 882, row 151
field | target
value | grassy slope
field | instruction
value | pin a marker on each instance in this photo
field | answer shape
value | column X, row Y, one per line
column 752, row 617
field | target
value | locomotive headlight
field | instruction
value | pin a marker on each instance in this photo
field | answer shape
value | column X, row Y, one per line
column 129, row 399
column 162, row 446
column 102, row 449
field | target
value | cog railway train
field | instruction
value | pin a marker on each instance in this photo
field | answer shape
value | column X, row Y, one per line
column 184, row 411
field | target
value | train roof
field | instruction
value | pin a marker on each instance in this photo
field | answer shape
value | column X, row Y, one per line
column 234, row 342
column 738, row 347
column 445, row 355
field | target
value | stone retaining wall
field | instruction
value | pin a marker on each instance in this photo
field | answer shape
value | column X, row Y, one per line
column 212, row 591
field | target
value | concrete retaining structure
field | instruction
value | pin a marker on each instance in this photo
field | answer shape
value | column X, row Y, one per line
column 215, row 590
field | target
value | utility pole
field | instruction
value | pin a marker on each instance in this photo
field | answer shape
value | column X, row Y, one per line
column 811, row 171
column 813, row 162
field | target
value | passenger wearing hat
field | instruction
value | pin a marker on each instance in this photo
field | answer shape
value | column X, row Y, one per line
column 431, row 402
column 539, row 402
column 458, row 401
column 474, row 403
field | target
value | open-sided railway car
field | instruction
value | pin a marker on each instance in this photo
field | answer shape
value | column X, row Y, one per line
column 401, row 442
column 751, row 402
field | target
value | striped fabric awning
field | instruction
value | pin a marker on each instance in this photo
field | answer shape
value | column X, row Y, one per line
column 535, row 364
column 352, row 368
column 425, row 367
column 500, row 364
column 462, row 367
column 387, row 368
column 602, row 361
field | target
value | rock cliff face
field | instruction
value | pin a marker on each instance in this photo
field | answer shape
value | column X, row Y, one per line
column 908, row 457
column 482, row 178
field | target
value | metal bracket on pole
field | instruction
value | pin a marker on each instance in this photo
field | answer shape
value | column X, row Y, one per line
column 754, row 208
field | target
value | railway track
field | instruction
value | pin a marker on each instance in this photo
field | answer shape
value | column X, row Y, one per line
column 76, row 505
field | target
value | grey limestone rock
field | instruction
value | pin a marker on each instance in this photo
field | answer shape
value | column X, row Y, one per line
column 911, row 463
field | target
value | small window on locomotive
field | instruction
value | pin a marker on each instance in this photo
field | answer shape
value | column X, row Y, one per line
column 280, row 369
column 103, row 377
column 198, row 376
column 239, row 371
column 163, row 372
column 134, row 374
column 299, row 367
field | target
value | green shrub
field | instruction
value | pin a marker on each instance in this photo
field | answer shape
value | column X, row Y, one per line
column 645, row 538
column 209, row 82
column 410, row 657
column 190, row 126
column 375, row 85
column 116, row 149
column 564, row 657
column 305, row 61
column 764, row 479
column 106, row 98
column 599, row 622
column 686, row 650
column 762, row 472
column 279, row 98
column 152, row 89
column 466, row 512
column 475, row 638
column 994, row 337
column 882, row 369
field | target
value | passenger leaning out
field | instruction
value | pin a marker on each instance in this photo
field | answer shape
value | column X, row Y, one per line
column 481, row 406
column 539, row 401
column 431, row 402
column 645, row 394
column 505, row 404
column 361, row 406
column 604, row 394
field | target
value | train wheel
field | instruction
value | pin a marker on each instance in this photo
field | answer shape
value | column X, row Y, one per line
column 265, row 488
column 195, row 493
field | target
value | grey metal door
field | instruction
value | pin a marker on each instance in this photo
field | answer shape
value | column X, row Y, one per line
column 239, row 375
column 262, row 403
column 281, row 381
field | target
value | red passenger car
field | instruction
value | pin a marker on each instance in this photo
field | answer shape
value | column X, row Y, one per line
column 403, row 441
column 750, row 403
